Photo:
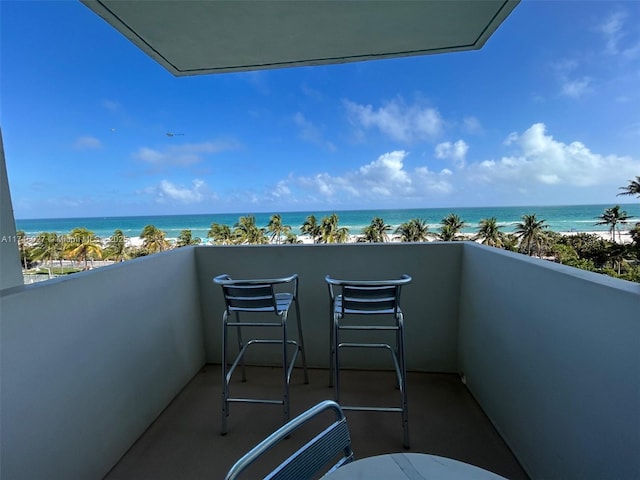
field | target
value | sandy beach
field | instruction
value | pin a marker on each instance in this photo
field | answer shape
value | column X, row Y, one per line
column 624, row 237
column 43, row 271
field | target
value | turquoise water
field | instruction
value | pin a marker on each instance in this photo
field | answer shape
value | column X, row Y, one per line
column 562, row 218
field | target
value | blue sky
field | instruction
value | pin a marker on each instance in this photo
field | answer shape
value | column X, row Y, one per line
column 546, row 113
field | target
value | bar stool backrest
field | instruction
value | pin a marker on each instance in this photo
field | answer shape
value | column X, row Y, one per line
column 334, row 441
column 370, row 299
column 368, row 296
column 249, row 298
column 250, row 295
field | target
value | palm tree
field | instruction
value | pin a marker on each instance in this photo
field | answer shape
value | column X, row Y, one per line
column 277, row 229
column 220, row 234
column 246, row 231
column 635, row 234
column 613, row 216
column 376, row 231
column 531, row 233
column 84, row 245
column 312, row 228
column 186, row 238
column 633, row 188
column 415, row 230
column 22, row 246
column 116, row 246
column 153, row 239
column 510, row 242
column 47, row 247
column 291, row 238
column 330, row 232
column 489, row 232
column 451, row 226
column 617, row 256
column 341, row 235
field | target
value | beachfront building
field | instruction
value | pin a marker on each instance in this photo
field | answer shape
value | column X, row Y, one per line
column 518, row 365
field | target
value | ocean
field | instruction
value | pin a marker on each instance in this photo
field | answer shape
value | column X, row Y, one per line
column 561, row 218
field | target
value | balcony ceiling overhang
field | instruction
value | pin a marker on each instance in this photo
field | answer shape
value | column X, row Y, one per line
column 193, row 37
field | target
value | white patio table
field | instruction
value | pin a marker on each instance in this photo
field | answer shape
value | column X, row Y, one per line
column 411, row 466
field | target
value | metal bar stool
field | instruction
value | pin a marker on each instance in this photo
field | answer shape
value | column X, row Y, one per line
column 259, row 296
column 369, row 297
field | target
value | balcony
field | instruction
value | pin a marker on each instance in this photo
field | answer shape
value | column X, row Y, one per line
column 183, row 442
column 124, row 359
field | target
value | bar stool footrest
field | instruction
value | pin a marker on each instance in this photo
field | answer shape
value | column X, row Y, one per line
column 372, row 409
column 255, row 400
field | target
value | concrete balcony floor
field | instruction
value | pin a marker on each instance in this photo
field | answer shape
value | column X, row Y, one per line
column 184, row 442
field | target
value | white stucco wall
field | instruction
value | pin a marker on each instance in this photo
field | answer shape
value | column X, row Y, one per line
column 89, row 361
column 552, row 354
column 10, row 270
column 430, row 302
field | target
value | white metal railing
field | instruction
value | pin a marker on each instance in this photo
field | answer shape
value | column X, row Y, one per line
column 30, row 278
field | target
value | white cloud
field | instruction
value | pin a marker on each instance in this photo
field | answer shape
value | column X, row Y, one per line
column 385, row 174
column 168, row 191
column 68, row 202
column 403, row 123
column 472, row 125
column 511, row 138
column 576, row 88
column 186, row 154
column 311, row 133
column 611, row 29
column 382, row 179
column 87, row 143
column 281, row 190
column 540, row 159
column 618, row 39
column 572, row 85
column 149, row 155
column 311, row 92
column 583, row 74
column 456, row 152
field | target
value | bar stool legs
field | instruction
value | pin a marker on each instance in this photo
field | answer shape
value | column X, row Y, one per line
column 399, row 361
column 363, row 298
column 258, row 296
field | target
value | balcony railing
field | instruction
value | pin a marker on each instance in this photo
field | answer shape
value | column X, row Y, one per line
column 549, row 352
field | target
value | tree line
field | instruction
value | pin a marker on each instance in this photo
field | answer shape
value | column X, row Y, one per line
column 530, row 236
